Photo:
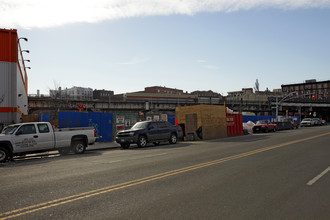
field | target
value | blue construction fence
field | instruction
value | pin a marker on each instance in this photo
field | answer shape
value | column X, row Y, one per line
column 255, row 118
column 44, row 117
column 171, row 119
column 102, row 122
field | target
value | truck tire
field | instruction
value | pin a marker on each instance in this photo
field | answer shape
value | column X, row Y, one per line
column 4, row 154
column 173, row 139
column 142, row 141
column 79, row 147
column 124, row 146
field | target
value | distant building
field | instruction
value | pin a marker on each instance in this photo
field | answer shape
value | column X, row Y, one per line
column 248, row 95
column 164, row 90
column 243, row 92
column 158, row 94
column 74, row 93
column 310, row 89
column 103, row 94
column 208, row 97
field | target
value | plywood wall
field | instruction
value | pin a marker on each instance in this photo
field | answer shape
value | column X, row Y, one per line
column 212, row 119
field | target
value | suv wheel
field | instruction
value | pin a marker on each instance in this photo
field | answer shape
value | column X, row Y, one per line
column 142, row 142
column 173, row 139
column 3, row 155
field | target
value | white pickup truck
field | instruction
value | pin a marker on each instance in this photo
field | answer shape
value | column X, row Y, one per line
column 35, row 137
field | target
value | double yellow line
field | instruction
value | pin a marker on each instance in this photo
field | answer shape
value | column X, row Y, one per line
column 69, row 199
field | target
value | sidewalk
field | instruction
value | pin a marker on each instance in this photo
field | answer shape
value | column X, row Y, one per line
column 102, row 145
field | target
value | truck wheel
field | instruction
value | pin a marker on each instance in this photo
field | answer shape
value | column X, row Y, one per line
column 173, row 139
column 3, row 154
column 79, row 147
column 142, row 142
column 124, row 146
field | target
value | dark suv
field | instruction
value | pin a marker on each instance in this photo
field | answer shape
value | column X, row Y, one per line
column 149, row 131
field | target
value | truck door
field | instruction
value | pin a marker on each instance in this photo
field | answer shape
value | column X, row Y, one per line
column 163, row 130
column 153, row 131
column 26, row 138
column 45, row 136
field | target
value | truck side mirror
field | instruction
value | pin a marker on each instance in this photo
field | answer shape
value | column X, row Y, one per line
column 19, row 132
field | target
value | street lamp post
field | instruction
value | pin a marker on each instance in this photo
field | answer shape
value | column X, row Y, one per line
column 278, row 103
column 22, row 38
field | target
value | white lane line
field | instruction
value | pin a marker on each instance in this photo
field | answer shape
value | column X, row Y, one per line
column 311, row 182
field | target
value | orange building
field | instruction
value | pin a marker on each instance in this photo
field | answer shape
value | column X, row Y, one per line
column 13, row 78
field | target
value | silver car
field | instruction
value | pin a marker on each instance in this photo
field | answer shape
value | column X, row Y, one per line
column 317, row 121
column 307, row 122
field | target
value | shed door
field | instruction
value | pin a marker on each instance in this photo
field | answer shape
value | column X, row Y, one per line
column 191, row 123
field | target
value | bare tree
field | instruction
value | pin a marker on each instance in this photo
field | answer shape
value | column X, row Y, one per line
column 56, row 91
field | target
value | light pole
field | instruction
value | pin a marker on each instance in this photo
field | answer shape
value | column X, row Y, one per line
column 22, row 38
column 279, row 102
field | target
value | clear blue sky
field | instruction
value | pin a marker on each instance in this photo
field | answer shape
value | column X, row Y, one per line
column 208, row 48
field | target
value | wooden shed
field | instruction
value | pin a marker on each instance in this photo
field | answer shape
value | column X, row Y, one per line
column 202, row 122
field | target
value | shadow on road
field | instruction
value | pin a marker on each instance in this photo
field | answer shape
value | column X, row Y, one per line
column 162, row 145
column 32, row 159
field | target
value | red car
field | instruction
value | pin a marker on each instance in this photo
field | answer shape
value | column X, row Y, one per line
column 264, row 126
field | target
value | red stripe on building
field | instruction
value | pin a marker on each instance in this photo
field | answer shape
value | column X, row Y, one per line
column 10, row 109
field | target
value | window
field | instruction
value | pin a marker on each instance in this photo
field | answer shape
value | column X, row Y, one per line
column 43, row 128
column 27, row 129
column 161, row 125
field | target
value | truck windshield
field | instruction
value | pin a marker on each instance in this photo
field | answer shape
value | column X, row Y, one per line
column 9, row 129
column 140, row 125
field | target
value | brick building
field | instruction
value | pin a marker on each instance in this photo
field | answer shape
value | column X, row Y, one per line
column 163, row 90
column 103, row 94
column 310, row 89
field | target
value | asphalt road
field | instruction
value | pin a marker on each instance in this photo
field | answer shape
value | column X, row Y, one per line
column 282, row 175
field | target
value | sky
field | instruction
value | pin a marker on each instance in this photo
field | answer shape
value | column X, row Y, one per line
column 127, row 45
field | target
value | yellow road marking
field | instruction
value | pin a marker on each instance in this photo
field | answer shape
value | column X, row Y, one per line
column 69, row 199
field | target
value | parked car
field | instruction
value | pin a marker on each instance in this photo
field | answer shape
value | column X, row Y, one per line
column 317, row 121
column 307, row 122
column 264, row 126
column 324, row 122
column 294, row 123
column 35, row 137
column 149, row 131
